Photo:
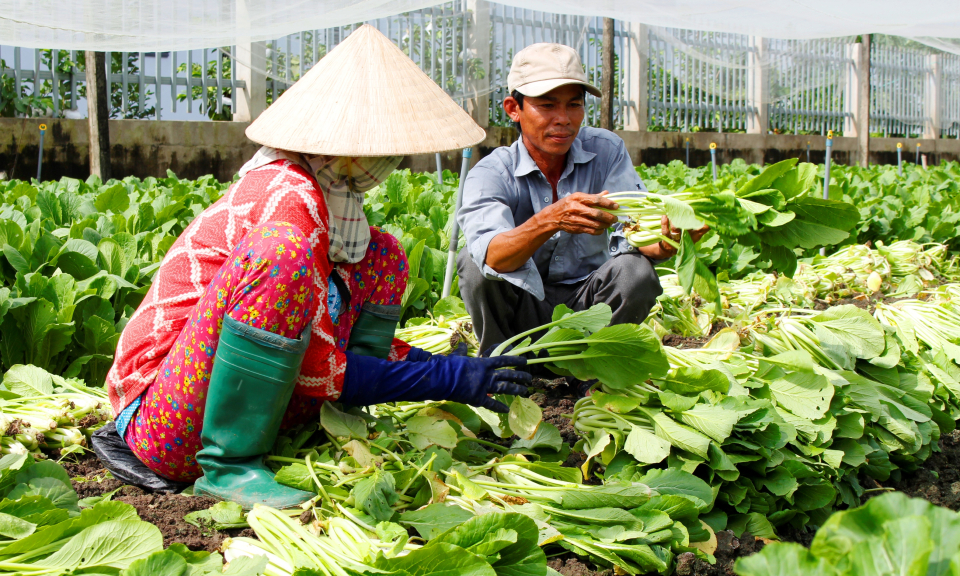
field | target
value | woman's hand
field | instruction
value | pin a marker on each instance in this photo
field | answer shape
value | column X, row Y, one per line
column 481, row 377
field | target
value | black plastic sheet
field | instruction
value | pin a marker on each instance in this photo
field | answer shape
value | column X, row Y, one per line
column 119, row 459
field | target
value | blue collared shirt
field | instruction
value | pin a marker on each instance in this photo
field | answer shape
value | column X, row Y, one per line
column 506, row 188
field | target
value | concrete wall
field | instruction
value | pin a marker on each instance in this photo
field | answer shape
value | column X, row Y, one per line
column 192, row 149
column 137, row 148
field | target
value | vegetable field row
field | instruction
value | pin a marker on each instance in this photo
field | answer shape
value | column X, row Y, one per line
column 770, row 387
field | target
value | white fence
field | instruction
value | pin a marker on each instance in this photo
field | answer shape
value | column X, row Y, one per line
column 53, row 82
column 666, row 79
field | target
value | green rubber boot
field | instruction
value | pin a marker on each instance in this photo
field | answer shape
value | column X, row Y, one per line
column 253, row 377
column 372, row 333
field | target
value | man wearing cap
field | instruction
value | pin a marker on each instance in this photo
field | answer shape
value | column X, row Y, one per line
column 536, row 234
column 280, row 296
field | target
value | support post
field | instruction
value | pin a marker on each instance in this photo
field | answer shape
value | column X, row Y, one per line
column 478, row 46
column 636, row 65
column 455, row 227
column 826, row 177
column 759, row 83
column 851, row 91
column 43, row 130
column 607, row 77
column 899, row 159
column 713, row 159
column 250, row 63
column 863, row 102
column 931, row 126
column 98, row 114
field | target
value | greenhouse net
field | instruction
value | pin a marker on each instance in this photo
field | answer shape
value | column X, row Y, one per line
column 695, row 66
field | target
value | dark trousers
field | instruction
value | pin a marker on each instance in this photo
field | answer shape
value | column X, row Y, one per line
column 627, row 283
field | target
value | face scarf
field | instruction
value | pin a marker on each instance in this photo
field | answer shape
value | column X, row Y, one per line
column 343, row 181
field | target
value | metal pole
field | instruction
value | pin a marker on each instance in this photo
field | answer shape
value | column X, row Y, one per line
column 899, row 159
column 455, row 228
column 826, row 177
column 439, row 174
column 917, row 159
column 713, row 158
column 43, row 129
column 686, row 145
column 808, row 151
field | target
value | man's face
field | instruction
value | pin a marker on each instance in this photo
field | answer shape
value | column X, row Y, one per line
column 550, row 122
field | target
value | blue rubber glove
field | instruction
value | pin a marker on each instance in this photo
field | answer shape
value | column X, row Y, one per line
column 461, row 379
column 418, row 355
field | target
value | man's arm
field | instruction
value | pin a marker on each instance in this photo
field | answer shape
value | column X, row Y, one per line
column 577, row 213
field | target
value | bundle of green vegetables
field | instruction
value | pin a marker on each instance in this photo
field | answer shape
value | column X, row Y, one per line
column 854, row 271
column 42, row 410
column 442, row 330
column 773, row 213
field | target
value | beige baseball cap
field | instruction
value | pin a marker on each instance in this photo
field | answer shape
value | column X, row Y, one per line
column 539, row 68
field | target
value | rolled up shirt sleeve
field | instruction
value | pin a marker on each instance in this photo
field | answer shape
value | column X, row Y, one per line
column 487, row 211
column 622, row 177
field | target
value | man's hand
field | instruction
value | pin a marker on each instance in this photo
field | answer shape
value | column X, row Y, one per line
column 662, row 250
column 580, row 213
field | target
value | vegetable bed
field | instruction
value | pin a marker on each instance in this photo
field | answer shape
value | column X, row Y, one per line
column 770, row 388
column 937, row 481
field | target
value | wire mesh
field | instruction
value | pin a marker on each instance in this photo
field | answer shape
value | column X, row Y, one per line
column 950, row 96
column 435, row 38
column 807, row 85
column 898, row 88
column 514, row 28
column 53, row 82
column 698, row 80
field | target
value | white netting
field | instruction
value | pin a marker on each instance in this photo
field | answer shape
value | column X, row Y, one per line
column 692, row 66
column 184, row 24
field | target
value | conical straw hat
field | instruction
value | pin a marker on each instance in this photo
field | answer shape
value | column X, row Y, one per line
column 365, row 98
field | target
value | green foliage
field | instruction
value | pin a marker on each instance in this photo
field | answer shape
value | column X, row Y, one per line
column 922, row 205
column 78, row 257
column 890, row 534
column 43, row 531
column 417, row 210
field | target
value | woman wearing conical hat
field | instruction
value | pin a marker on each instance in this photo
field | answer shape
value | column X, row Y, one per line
column 280, row 296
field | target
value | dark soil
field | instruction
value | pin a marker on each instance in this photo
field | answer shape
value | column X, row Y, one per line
column 678, row 341
column 863, row 303
column 729, row 548
column 570, row 565
column 554, row 410
column 938, row 481
column 90, row 478
column 165, row 511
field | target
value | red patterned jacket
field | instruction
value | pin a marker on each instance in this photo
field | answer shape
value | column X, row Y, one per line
column 280, row 191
